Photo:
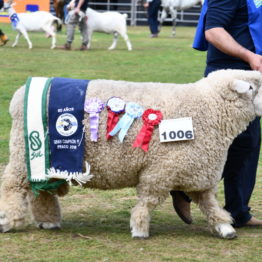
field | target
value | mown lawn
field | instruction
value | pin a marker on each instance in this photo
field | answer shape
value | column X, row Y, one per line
column 96, row 223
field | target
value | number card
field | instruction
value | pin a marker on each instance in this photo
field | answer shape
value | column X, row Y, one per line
column 176, row 129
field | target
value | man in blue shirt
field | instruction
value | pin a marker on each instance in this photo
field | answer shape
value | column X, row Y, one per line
column 231, row 46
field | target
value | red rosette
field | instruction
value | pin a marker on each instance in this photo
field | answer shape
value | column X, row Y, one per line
column 115, row 106
column 150, row 119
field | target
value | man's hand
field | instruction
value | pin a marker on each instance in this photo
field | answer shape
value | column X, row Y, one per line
column 255, row 62
column 223, row 41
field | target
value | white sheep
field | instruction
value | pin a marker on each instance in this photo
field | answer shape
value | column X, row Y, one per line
column 221, row 107
column 172, row 6
column 110, row 22
column 39, row 21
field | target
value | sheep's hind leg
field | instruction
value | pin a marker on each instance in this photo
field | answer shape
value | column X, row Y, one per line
column 50, row 32
column 115, row 39
column 13, row 203
column 128, row 43
column 218, row 219
column 45, row 210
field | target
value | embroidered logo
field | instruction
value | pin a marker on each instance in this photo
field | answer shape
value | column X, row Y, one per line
column 35, row 144
column 66, row 124
column 258, row 3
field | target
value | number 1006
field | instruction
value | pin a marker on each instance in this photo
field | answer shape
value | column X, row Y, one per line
column 176, row 135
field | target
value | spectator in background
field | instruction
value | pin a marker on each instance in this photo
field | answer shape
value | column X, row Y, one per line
column 3, row 37
column 153, row 7
column 77, row 16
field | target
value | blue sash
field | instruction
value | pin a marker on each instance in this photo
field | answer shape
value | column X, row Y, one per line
column 254, row 22
column 66, row 112
column 200, row 43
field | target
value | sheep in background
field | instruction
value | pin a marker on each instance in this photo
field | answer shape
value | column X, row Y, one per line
column 172, row 6
column 221, row 106
column 110, row 22
column 36, row 21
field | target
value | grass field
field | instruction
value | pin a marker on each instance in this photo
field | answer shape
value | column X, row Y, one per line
column 96, row 223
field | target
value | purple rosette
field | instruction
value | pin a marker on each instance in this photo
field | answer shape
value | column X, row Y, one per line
column 93, row 106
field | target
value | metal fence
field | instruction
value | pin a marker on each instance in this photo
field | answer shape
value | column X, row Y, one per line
column 137, row 15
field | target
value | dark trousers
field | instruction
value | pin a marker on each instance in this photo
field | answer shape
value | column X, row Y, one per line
column 240, row 170
column 152, row 12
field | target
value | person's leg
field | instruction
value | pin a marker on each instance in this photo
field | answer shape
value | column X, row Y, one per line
column 240, row 173
column 70, row 29
column 153, row 9
column 84, row 33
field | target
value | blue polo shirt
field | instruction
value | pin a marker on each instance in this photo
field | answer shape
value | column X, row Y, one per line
column 232, row 15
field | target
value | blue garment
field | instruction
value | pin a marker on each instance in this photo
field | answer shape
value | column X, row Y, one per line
column 240, row 169
column 66, row 112
column 249, row 13
column 152, row 11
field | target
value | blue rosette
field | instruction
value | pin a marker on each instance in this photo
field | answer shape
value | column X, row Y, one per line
column 132, row 112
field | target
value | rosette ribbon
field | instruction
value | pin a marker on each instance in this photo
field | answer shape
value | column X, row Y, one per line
column 133, row 111
column 93, row 106
column 115, row 106
column 150, row 119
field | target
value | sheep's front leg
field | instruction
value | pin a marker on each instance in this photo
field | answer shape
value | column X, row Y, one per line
column 173, row 13
column 115, row 39
column 24, row 33
column 218, row 219
column 45, row 210
column 16, row 39
column 13, row 203
column 162, row 18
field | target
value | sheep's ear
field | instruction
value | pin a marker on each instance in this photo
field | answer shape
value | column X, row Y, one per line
column 241, row 86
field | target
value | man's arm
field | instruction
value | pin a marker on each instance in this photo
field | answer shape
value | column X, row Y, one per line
column 223, row 41
column 80, row 3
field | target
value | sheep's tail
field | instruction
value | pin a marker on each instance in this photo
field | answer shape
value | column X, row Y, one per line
column 125, row 16
column 58, row 22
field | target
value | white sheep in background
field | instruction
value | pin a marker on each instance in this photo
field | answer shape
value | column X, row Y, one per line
column 172, row 6
column 221, row 106
column 39, row 21
column 110, row 22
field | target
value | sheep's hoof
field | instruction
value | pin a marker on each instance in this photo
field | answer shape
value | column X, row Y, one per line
column 4, row 224
column 225, row 231
column 140, row 238
column 139, row 234
column 48, row 225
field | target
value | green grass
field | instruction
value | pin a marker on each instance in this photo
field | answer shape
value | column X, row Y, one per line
column 96, row 223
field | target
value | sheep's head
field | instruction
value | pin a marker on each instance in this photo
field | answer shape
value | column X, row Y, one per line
column 244, row 84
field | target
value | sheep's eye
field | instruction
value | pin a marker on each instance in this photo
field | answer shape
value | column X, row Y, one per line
column 250, row 88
